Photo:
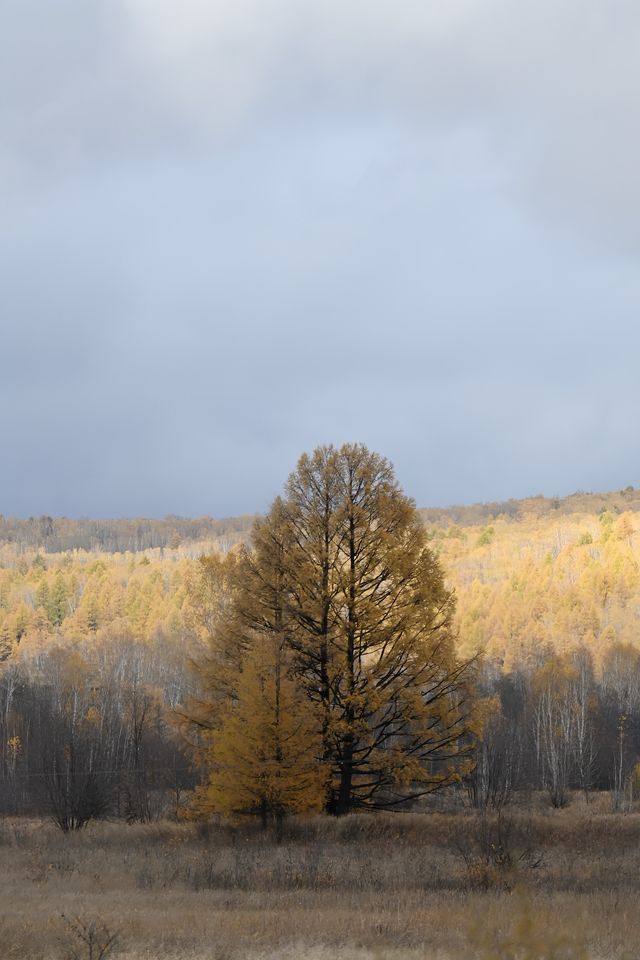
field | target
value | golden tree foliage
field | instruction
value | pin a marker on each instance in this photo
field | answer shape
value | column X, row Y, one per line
column 539, row 579
column 264, row 755
column 545, row 584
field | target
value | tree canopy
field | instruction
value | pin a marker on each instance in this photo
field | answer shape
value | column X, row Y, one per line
column 340, row 575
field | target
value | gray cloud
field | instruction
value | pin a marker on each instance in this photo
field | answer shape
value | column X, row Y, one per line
column 235, row 230
column 553, row 86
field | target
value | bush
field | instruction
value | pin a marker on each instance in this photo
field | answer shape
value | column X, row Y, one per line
column 497, row 852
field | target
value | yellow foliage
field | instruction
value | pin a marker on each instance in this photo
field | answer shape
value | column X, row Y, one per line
column 545, row 582
column 265, row 755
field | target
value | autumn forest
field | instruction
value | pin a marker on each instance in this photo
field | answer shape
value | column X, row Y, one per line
column 106, row 633
column 477, row 668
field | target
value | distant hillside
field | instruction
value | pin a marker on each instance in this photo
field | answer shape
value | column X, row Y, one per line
column 554, row 581
column 537, row 507
column 60, row 534
column 530, row 575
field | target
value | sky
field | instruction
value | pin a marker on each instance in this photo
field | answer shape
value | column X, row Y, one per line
column 233, row 231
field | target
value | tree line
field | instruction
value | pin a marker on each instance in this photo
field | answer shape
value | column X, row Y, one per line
column 323, row 666
column 556, row 726
column 60, row 534
column 88, row 736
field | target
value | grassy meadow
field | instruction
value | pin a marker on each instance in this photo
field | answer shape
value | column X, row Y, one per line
column 538, row 883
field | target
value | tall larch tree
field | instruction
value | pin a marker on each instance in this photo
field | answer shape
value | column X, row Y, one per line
column 340, row 572
column 371, row 623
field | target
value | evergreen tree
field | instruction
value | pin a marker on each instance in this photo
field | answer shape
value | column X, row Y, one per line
column 341, row 575
column 263, row 757
column 58, row 601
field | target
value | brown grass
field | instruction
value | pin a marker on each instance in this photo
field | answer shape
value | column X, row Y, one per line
column 425, row 886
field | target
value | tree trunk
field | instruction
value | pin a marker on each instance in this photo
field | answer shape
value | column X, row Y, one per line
column 344, row 802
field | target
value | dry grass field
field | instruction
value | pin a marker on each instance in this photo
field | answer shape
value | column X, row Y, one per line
column 558, row 885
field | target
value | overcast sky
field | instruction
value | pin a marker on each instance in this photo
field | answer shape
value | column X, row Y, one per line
column 232, row 230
